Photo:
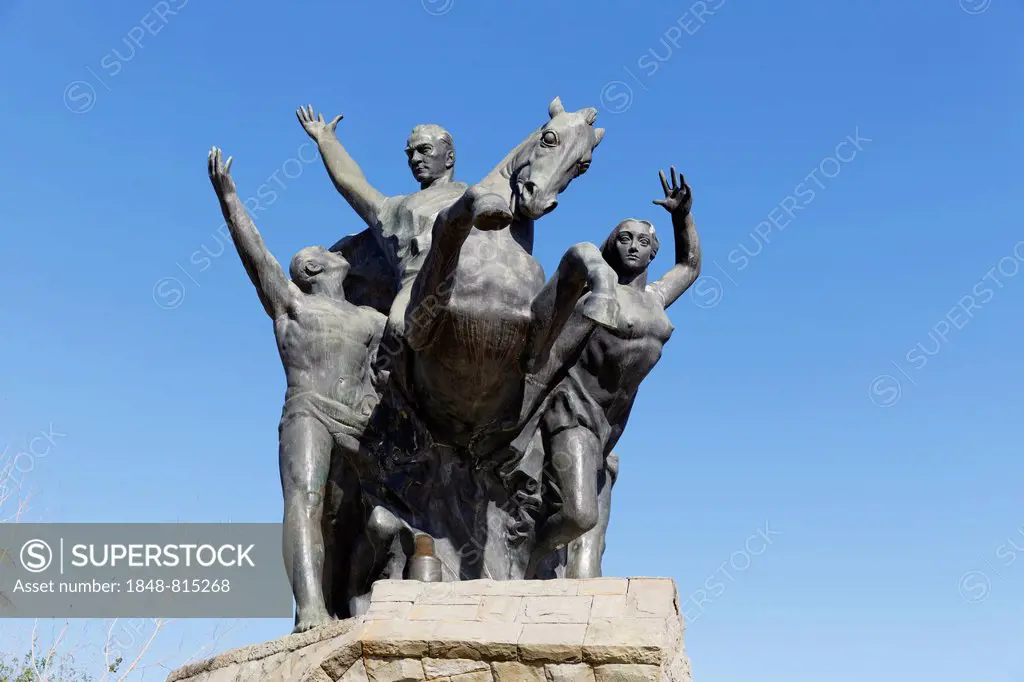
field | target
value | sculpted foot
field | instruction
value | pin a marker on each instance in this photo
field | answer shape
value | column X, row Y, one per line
column 490, row 212
column 310, row 618
column 602, row 309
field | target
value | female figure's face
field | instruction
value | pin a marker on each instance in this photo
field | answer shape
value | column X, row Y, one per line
column 634, row 244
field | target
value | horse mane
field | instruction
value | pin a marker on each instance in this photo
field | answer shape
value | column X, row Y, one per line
column 502, row 171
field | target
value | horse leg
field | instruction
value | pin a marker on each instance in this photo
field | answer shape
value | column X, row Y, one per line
column 581, row 267
column 433, row 286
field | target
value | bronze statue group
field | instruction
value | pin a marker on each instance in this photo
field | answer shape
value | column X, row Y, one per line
column 438, row 384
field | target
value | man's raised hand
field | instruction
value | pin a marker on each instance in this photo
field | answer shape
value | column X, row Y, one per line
column 314, row 124
column 220, row 173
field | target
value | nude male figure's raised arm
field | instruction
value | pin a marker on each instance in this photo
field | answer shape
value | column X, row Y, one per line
column 276, row 291
column 678, row 201
column 345, row 173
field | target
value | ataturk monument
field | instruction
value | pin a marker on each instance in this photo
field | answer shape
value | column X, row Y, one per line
column 450, row 417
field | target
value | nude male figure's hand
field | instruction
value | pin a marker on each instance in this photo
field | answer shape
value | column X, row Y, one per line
column 220, row 173
column 678, row 197
column 314, row 124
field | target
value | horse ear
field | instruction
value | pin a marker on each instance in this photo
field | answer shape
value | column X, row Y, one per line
column 591, row 115
column 555, row 108
column 598, row 135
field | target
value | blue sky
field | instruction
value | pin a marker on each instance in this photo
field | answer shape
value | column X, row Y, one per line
column 792, row 394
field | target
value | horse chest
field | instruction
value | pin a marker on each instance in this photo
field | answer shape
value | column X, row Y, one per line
column 495, row 279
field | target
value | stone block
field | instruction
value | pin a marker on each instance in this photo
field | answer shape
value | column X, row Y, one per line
column 552, row 642
column 500, row 609
column 476, row 676
column 625, row 640
column 593, row 586
column 450, row 667
column 388, row 610
column 608, row 606
column 445, row 593
column 572, row 672
column 317, row 674
column 459, row 612
column 556, row 609
column 627, row 672
column 393, row 669
column 340, row 660
column 397, row 637
column 357, row 673
column 480, row 587
column 652, row 598
column 514, row 671
column 541, row 588
column 396, row 590
column 475, row 639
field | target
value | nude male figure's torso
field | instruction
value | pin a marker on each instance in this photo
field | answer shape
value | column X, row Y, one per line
column 325, row 345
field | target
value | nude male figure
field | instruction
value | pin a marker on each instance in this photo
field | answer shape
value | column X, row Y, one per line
column 588, row 409
column 327, row 347
column 401, row 224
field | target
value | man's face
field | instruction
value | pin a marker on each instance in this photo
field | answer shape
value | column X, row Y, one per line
column 429, row 157
column 635, row 247
column 323, row 266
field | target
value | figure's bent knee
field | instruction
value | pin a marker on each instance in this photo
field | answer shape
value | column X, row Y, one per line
column 582, row 516
column 396, row 324
column 307, row 500
column 382, row 524
column 585, row 251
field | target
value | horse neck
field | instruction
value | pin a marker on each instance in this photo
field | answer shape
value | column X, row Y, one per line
column 521, row 230
column 499, row 181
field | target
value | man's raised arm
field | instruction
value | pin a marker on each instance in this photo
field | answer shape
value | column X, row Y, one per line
column 345, row 173
column 276, row 291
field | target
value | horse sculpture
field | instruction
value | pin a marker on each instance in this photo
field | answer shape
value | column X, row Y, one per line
column 480, row 315
column 480, row 318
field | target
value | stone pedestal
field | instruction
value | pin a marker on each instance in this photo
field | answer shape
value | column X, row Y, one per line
column 601, row 630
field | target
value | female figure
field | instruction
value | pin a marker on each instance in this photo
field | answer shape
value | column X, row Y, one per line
column 588, row 409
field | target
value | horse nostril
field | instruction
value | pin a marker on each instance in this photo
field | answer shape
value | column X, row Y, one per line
column 551, row 207
column 529, row 187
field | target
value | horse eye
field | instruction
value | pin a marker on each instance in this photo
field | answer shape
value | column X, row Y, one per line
column 549, row 138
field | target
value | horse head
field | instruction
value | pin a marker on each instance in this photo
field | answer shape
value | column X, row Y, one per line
column 548, row 161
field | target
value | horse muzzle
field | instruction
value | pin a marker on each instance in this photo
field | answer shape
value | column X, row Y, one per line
column 533, row 201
